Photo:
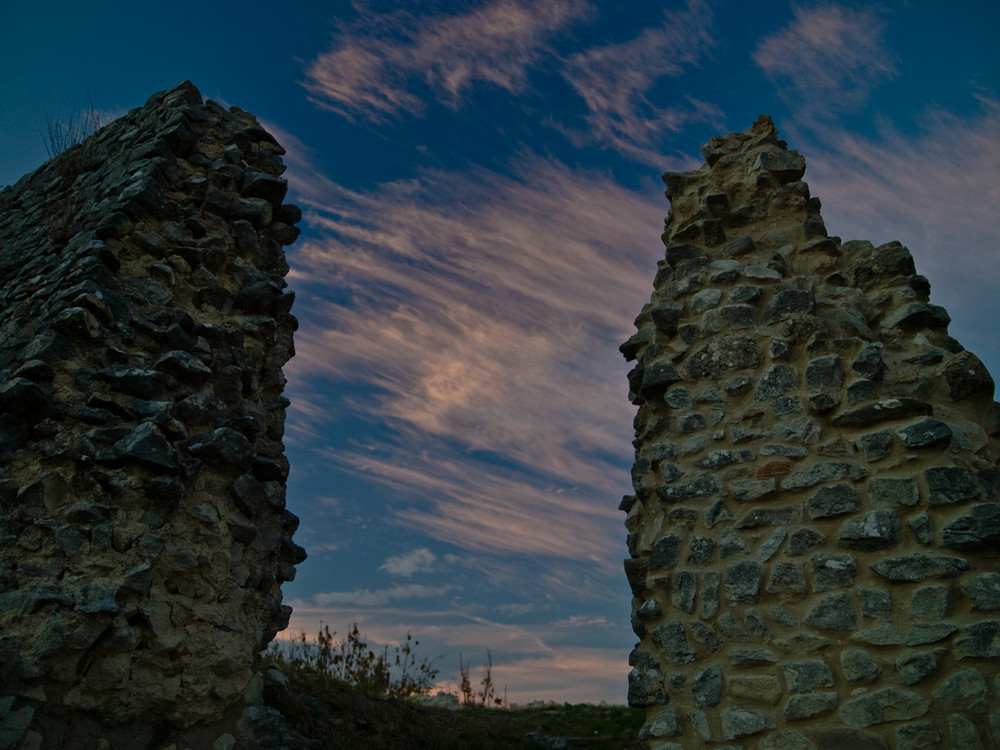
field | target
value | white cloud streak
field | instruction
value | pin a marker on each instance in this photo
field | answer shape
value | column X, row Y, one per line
column 617, row 82
column 827, row 60
column 418, row 561
column 375, row 66
column 366, row 598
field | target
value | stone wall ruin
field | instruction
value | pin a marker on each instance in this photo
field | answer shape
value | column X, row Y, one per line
column 815, row 530
column 143, row 530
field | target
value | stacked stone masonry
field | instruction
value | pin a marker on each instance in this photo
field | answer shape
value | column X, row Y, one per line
column 815, row 530
column 143, row 327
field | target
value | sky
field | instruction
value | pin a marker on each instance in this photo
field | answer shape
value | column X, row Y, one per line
column 482, row 208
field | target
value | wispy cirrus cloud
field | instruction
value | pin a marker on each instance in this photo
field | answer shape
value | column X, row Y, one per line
column 381, row 65
column 480, row 315
column 617, row 82
column 381, row 597
column 827, row 60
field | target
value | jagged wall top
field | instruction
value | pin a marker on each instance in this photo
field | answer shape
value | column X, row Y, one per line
column 814, row 534
column 143, row 326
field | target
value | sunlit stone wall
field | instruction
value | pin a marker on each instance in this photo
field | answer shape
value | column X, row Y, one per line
column 815, row 530
column 143, row 327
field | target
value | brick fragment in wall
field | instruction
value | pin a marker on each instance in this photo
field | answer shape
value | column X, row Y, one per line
column 143, row 531
column 836, row 583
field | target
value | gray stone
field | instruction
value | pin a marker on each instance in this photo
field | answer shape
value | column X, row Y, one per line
column 828, row 471
column 685, row 590
column 983, row 590
column 966, row 690
column 184, row 366
column 872, row 531
column 728, row 317
column 825, row 373
column 803, row 540
column 857, row 665
column 805, row 676
column 914, row 666
column 730, row 628
column 673, row 642
column 223, row 447
column 789, row 451
column 692, row 423
column 917, row 315
column 931, row 602
column 742, row 722
column 757, row 517
column 876, row 603
column 964, row 734
column 918, row 566
column 880, row 706
column 947, row 485
column 876, row 445
column 725, row 457
column 760, row 688
column 771, row 545
column 723, row 354
column 702, row 485
column 751, row 490
column 717, row 513
column 788, row 302
column 832, row 571
column 801, row 644
column 706, row 636
column 756, row 625
column 883, row 635
column 665, row 552
column 889, row 492
column 861, row 390
column 922, row 735
column 777, row 380
column 657, row 377
column 978, row 530
column 869, row 362
column 745, row 657
column 650, row 610
column 700, row 551
column 147, row 446
column 801, row 707
column 695, row 444
column 837, row 500
column 704, row 300
column 744, row 293
column 732, row 545
column 737, row 384
column 834, row 612
column 645, row 688
column 663, row 724
column 678, row 398
column 783, row 616
column 980, row 640
column 883, row 410
column 787, row 578
column 925, row 434
column 707, row 687
column 785, row 406
column 742, row 582
column 921, row 634
column 699, row 721
column 921, row 527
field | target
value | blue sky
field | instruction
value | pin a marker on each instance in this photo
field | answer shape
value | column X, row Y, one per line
column 482, row 202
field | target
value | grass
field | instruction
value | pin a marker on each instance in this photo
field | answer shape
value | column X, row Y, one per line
column 357, row 708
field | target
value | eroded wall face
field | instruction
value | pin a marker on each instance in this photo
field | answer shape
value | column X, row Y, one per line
column 815, row 531
column 143, row 327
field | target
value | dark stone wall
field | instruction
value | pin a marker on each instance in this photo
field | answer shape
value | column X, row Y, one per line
column 814, row 537
column 143, row 327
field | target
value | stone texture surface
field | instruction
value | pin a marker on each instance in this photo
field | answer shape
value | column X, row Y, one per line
column 143, row 326
column 840, row 472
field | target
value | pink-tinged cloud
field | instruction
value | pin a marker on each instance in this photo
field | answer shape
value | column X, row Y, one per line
column 827, row 60
column 366, row 598
column 481, row 313
column 617, row 83
column 386, row 64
